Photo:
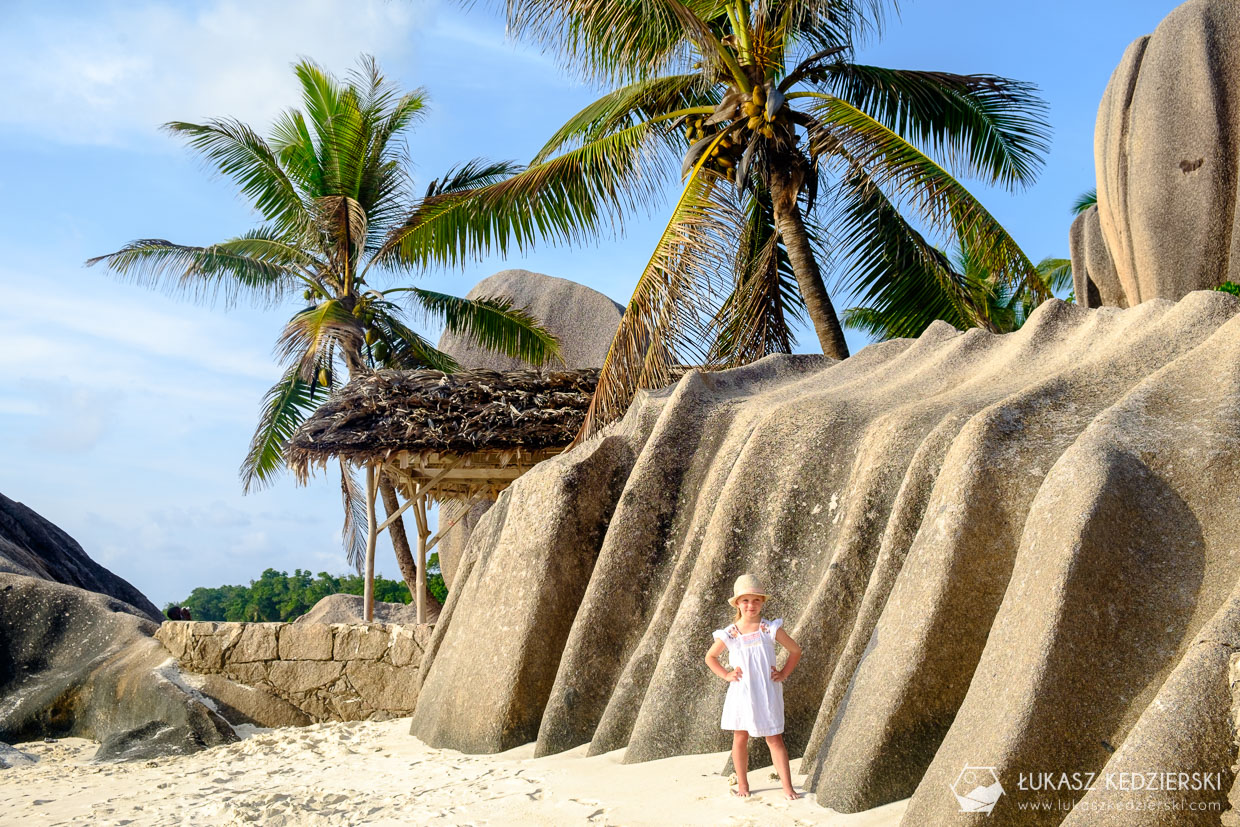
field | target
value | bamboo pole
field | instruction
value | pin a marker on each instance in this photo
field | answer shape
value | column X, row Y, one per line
column 427, row 487
column 372, row 534
column 419, row 511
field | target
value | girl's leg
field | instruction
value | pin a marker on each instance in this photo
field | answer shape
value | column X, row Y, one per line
column 740, row 760
column 779, row 754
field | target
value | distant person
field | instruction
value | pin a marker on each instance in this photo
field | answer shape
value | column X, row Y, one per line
column 755, row 700
column 185, row 615
column 173, row 612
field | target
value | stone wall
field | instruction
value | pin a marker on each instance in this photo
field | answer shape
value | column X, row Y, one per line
column 301, row 674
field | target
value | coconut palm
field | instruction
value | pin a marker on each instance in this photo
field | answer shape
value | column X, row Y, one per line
column 331, row 186
column 777, row 118
column 906, row 307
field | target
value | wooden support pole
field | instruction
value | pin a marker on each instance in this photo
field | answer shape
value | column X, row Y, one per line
column 419, row 512
column 372, row 534
column 424, row 488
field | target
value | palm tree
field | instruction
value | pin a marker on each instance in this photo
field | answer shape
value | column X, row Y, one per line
column 778, row 118
column 907, row 307
column 332, row 188
column 1084, row 201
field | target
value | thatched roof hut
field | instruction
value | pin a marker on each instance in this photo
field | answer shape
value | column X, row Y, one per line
column 492, row 424
column 461, row 436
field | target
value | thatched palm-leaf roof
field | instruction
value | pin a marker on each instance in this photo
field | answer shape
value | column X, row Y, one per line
column 423, row 418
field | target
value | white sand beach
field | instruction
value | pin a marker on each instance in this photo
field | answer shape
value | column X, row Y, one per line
column 376, row 773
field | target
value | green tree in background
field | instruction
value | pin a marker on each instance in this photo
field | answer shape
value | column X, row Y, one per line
column 279, row 596
column 332, row 186
column 891, row 313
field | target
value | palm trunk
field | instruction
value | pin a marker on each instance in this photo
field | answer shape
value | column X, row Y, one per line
column 400, row 542
column 784, row 191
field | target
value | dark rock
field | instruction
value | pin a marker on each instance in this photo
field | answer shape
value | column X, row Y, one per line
column 32, row 546
column 74, row 662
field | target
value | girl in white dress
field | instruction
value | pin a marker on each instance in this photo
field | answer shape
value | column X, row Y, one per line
column 755, row 701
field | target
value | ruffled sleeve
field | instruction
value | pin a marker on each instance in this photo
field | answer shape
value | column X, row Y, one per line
column 773, row 626
column 726, row 636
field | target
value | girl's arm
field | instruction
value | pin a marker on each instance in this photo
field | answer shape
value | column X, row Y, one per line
column 794, row 655
column 712, row 660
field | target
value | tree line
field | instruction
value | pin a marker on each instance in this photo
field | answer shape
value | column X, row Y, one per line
column 277, row 596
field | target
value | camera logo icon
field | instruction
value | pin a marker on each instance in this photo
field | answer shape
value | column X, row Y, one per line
column 977, row 789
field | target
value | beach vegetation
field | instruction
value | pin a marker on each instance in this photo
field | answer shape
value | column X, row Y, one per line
column 331, row 183
column 277, row 596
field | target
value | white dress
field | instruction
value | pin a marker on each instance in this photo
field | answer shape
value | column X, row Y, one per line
column 754, row 703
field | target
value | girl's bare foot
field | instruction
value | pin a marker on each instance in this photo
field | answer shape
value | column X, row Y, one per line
column 741, row 792
column 792, row 795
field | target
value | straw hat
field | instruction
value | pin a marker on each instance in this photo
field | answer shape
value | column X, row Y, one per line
column 747, row 584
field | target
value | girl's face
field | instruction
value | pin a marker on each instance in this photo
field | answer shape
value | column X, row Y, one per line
column 750, row 606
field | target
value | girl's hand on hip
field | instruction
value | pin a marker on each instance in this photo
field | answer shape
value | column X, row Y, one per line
column 777, row 675
column 734, row 675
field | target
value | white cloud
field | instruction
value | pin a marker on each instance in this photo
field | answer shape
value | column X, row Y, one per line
column 114, row 76
column 196, row 338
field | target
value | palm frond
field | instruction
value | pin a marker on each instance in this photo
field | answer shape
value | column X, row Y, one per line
column 313, row 335
column 666, row 321
column 285, row 406
column 894, row 271
column 603, row 39
column 250, row 265
column 896, row 166
column 624, row 107
column 1056, row 273
column 407, row 350
column 239, row 153
column 493, row 323
column 472, row 175
column 823, row 24
column 354, row 533
column 570, row 198
column 1084, row 201
column 984, row 125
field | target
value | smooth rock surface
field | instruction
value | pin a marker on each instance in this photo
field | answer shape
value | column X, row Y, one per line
column 582, row 319
column 1094, row 280
column 1166, row 153
column 1012, row 551
column 347, row 608
column 74, row 662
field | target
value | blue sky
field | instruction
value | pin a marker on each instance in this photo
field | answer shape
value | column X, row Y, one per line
column 125, row 413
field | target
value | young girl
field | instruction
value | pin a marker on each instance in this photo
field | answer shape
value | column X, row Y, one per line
column 755, row 702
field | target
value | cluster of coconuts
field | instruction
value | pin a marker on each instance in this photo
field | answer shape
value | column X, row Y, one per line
column 379, row 348
column 759, row 109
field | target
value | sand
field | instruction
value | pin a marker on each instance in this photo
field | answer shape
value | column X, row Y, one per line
column 376, row 773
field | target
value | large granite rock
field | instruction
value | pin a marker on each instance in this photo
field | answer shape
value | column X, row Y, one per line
column 77, row 656
column 348, row 608
column 1165, row 148
column 74, row 662
column 1094, row 280
column 32, row 546
column 1012, row 551
column 584, row 320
